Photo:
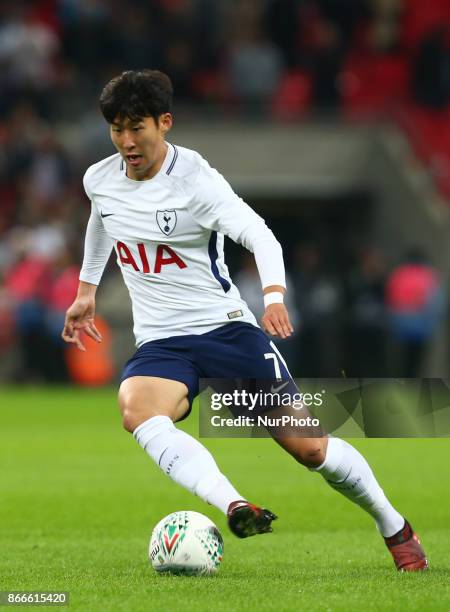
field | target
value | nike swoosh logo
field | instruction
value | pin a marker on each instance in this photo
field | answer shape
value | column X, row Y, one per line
column 106, row 215
column 276, row 389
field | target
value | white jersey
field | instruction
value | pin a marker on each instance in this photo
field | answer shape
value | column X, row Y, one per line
column 168, row 235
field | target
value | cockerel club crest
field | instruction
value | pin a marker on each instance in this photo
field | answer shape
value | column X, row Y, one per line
column 167, row 220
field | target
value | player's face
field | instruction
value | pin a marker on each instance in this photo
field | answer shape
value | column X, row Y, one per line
column 141, row 144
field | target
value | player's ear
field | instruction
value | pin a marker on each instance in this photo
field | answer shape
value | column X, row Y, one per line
column 165, row 122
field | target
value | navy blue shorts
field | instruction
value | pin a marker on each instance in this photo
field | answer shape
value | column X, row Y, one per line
column 234, row 351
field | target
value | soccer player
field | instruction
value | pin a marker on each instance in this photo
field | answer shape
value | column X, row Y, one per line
column 165, row 212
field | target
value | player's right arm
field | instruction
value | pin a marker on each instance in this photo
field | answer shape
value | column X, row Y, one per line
column 80, row 317
column 97, row 249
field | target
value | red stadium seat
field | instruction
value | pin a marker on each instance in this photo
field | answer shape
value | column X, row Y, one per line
column 421, row 17
column 208, row 85
column 293, row 96
column 430, row 137
column 373, row 84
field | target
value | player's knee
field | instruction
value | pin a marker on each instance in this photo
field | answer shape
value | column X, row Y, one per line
column 132, row 414
column 311, row 453
column 128, row 414
column 129, row 420
column 133, row 417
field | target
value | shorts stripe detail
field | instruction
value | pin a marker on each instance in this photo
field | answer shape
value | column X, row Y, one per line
column 174, row 159
column 280, row 356
column 213, row 255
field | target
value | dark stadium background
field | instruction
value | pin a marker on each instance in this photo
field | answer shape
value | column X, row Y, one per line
column 330, row 117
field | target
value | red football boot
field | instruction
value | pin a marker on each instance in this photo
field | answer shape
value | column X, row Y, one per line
column 405, row 547
column 245, row 519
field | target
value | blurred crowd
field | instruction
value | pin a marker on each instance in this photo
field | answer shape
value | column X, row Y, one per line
column 279, row 59
column 265, row 54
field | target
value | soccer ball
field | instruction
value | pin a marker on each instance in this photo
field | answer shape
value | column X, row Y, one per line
column 187, row 543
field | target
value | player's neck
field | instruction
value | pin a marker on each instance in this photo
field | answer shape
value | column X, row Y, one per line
column 153, row 171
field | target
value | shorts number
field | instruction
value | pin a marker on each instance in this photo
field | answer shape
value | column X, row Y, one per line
column 276, row 364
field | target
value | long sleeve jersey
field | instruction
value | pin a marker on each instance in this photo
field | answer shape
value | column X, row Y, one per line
column 168, row 236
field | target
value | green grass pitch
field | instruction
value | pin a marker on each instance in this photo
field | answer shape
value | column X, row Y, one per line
column 79, row 498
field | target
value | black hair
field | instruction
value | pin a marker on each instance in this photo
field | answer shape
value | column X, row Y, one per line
column 136, row 94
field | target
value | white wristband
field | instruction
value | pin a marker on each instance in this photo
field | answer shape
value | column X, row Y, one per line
column 274, row 297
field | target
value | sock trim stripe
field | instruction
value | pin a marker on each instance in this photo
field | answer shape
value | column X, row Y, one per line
column 162, row 455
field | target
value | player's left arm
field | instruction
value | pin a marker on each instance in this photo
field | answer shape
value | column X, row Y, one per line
column 226, row 212
column 276, row 319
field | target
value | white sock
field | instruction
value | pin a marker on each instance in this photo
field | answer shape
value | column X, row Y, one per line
column 346, row 470
column 186, row 461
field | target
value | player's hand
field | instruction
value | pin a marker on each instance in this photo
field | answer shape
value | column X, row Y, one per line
column 80, row 317
column 276, row 321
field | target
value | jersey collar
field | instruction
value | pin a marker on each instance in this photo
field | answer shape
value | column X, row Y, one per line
column 166, row 168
